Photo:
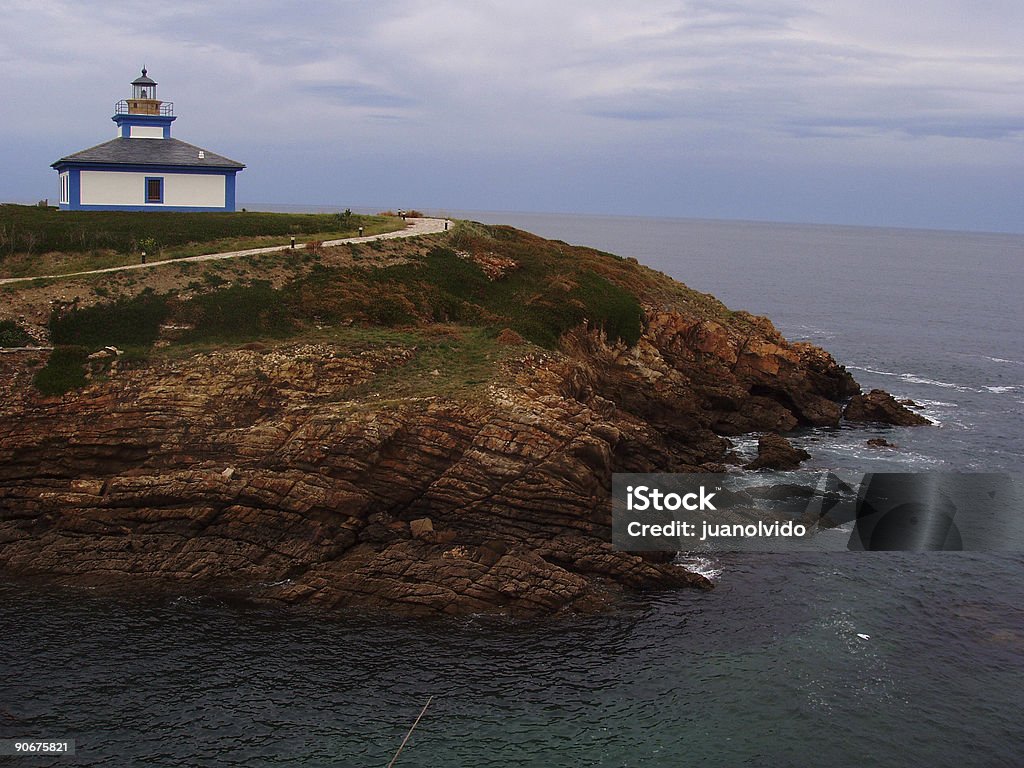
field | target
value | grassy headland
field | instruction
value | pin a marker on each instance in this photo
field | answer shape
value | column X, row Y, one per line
column 44, row 241
column 458, row 302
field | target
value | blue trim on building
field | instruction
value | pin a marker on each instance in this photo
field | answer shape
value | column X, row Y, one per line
column 143, row 168
column 145, row 190
column 229, row 192
column 74, row 190
column 150, row 208
column 126, row 121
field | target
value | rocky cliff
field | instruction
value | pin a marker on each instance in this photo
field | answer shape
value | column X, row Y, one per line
column 345, row 471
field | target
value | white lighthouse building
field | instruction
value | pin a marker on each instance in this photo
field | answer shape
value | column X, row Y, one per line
column 143, row 168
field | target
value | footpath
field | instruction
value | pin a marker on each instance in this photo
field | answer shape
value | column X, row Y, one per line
column 413, row 228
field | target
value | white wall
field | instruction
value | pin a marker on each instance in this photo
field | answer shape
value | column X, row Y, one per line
column 180, row 189
column 202, row 190
column 145, row 132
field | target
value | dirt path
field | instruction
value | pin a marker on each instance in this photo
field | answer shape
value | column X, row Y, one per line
column 413, row 228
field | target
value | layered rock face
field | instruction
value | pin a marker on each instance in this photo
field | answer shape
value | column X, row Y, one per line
column 290, row 474
column 254, row 470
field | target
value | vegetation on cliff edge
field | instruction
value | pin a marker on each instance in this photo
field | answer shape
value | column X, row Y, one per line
column 39, row 241
column 13, row 335
column 487, row 279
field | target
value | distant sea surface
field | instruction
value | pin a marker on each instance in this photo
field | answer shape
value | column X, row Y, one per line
column 846, row 659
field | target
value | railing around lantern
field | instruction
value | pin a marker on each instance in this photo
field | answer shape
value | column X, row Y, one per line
column 166, row 108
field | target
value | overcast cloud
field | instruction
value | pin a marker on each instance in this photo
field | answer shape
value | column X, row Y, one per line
column 908, row 114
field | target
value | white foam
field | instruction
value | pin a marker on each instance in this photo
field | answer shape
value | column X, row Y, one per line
column 853, row 367
column 936, row 404
column 745, row 447
column 914, row 378
column 864, row 452
column 699, row 564
column 810, row 332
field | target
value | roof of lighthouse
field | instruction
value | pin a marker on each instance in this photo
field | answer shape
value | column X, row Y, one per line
column 122, row 151
column 144, row 80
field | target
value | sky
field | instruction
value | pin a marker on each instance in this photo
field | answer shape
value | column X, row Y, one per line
column 868, row 112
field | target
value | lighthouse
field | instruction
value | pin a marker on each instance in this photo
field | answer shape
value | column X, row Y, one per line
column 143, row 116
column 143, row 168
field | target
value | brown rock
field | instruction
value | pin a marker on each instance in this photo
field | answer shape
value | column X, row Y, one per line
column 879, row 406
column 776, row 452
column 420, row 527
column 880, row 442
column 90, row 487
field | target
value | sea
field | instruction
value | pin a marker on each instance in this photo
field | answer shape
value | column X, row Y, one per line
column 814, row 659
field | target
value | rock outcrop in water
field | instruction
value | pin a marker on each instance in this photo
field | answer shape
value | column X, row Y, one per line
column 776, row 452
column 339, row 474
column 879, row 406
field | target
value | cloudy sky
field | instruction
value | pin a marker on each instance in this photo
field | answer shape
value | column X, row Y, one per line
column 851, row 111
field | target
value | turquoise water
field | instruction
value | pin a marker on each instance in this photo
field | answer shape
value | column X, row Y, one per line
column 768, row 669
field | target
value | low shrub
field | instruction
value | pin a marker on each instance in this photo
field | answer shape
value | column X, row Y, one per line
column 237, row 314
column 64, row 371
column 126, row 322
column 13, row 335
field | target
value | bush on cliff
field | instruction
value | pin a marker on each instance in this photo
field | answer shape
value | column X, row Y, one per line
column 64, row 371
column 238, row 313
column 13, row 335
column 126, row 322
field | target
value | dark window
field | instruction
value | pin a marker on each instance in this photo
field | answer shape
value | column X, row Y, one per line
column 154, row 190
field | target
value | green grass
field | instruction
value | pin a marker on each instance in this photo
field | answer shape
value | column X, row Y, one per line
column 99, row 239
column 455, row 361
column 451, row 364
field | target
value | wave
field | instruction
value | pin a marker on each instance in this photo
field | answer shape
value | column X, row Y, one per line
column 811, row 332
column 914, row 378
column 701, row 564
column 863, row 452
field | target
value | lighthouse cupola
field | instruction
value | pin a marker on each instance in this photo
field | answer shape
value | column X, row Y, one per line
column 144, row 101
column 144, row 116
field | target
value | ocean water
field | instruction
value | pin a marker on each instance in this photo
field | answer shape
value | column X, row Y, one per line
column 931, row 315
column 844, row 659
